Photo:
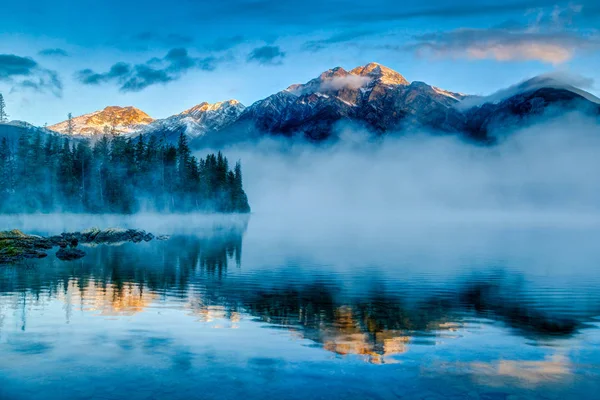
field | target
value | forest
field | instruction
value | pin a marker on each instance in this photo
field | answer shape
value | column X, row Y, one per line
column 48, row 173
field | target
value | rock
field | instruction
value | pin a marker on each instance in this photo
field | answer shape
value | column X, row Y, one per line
column 114, row 235
column 70, row 254
column 16, row 245
column 89, row 234
column 14, row 234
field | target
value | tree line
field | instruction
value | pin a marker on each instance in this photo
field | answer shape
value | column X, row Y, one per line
column 48, row 173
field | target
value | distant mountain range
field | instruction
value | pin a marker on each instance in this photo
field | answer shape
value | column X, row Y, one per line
column 370, row 96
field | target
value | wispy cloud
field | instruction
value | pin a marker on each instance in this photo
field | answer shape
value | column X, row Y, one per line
column 457, row 10
column 135, row 78
column 266, row 55
column 225, row 43
column 26, row 73
column 118, row 71
column 167, row 40
column 548, row 39
column 341, row 37
column 56, row 52
column 501, row 45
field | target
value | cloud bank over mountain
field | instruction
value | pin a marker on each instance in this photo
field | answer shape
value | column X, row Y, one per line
column 539, row 174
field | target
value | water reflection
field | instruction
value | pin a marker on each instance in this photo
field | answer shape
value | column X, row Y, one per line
column 218, row 308
column 377, row 321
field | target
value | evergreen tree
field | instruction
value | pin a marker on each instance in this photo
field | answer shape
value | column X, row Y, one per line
column 116, row 175
column 65, row 176
column 6, row 186
column 3, row 115
column 70, row 126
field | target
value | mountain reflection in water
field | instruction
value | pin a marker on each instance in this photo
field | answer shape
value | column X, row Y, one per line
column 379, row 320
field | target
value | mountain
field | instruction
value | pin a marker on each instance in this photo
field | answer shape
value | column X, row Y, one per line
column 120, row 120
column 520, row 104
column 13, row 129
column 371, row 96
column 197, row 121
column 383, row 101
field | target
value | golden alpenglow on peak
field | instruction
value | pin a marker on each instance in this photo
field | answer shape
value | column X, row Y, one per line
column 114, row 119
column 205, row 106
column 385, row 75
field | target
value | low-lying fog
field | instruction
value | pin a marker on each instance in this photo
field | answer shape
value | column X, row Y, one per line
column 545, row 171
column 412, row 203
column 405, row 187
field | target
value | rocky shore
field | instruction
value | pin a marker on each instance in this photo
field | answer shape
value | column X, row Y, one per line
column 16, row 246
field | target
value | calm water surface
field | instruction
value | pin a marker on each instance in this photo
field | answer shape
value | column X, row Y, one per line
column 234, row 308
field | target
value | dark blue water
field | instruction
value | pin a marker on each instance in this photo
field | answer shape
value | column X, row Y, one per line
column 261, row 308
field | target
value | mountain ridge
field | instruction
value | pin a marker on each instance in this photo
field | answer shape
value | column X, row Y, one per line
column 372, row 96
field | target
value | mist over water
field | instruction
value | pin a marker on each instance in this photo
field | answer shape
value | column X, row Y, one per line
column 413, row 267
column 544, row 172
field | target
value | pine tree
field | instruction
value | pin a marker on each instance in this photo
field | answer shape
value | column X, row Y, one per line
column 65, row 176
column 3, row 115
column 49, row 168
column 82, row 166
column 22, row 159
column 5, row 170
column 70, row 127
column 140, row 155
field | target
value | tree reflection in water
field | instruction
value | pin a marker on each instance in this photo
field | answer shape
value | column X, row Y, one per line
column 127, row 279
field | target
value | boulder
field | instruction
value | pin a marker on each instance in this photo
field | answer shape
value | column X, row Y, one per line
column 69, row 254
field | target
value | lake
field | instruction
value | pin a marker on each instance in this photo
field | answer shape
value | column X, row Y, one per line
column 307, row 308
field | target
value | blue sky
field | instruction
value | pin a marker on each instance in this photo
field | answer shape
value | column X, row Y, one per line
column 163, row 57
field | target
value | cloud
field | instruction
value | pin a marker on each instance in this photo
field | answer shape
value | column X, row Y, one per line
column 56, row 52
column 12, row 65
column 266, row 55
column 145, row 76
column 456, row 11
column 118, row 71
column 546, row 39
column 166, row 40
column 26, row 73
column 44, row 81
column 501, row 45
column 348, row 81
column 135, row 78
column 225, row 43
column 538, row 169
column 558, row 79
column 342, row 37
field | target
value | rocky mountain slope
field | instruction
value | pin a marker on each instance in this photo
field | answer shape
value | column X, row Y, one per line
column 113, row 119
column 197, row 121
column 14, row 129
column 372, row 95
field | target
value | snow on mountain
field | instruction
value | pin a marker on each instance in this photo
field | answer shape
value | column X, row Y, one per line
column 380, row 74
column 548, row 81
column 371, row 96
column 114, row 119
column 196, row 121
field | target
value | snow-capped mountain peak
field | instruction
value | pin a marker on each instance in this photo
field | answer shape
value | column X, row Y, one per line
column 119, row 120
column 198, row 120
column 201, row 109
column 380, row 73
